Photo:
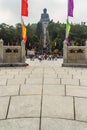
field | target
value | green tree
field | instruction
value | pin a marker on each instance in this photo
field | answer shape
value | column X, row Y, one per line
column 39, row 29
column 18, row 31
column 57, row 34
column 78, row 33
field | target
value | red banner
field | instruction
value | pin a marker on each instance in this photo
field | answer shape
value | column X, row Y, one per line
column 24, row 8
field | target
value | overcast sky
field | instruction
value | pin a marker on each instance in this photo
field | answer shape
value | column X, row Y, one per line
column 10, row 11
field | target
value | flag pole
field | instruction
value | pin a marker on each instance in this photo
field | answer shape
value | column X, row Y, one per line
column 21, row 18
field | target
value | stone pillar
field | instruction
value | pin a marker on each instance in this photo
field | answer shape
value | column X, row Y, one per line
column 86, row 49
column 1, row 51
column 65, row 52
column 22, row 51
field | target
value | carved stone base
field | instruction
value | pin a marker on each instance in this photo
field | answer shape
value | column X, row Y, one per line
column 74, row 65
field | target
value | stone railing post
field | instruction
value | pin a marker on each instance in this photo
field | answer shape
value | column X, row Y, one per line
column 65, row 52
column 1, row 51
column 22, row 51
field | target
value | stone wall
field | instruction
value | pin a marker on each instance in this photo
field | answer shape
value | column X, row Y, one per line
column 74, row 55
column 12, row 54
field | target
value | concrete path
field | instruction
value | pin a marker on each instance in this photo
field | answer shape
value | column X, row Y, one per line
column 43, row 96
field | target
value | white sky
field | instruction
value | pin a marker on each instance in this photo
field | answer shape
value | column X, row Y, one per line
column 10, row 11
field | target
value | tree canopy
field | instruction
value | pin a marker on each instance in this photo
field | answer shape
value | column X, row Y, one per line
column 12, row 34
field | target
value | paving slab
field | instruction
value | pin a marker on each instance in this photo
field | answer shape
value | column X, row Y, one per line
column 24, row 106
column 34, row 81
column 52, row 81
column 81, row 108
column 36, row 76
column 56, row 106
column 70, row 81
column 61, row 70
column 54, row 90
column 2, row 73
column 61, row 124
column 11, row 72
column 50, row 76
column 15, row 81
column 80, row 76
column 6, row 77
column 37, row 71
column 21, row 73
column 20, row 124
column 83, row 82
column 62, row 73
column 9, row 90
column 49, row 72
column 75, row 71
column 30, row 89
column 3, row 82
column 68, row 76
column 79, row 91
column 20, row 77
column 4, row 101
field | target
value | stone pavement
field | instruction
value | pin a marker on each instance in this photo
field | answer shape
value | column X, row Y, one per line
column 43, row 96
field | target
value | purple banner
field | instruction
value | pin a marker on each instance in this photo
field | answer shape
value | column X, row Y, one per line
column 70, row 7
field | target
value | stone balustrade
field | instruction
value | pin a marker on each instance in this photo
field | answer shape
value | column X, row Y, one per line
column 12, row 54
column 74, row 55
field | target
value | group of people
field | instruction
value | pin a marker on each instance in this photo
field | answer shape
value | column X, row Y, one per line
column 41, row 57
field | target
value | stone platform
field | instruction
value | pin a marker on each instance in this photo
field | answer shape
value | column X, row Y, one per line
column 13, row 64
column 43, row 96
